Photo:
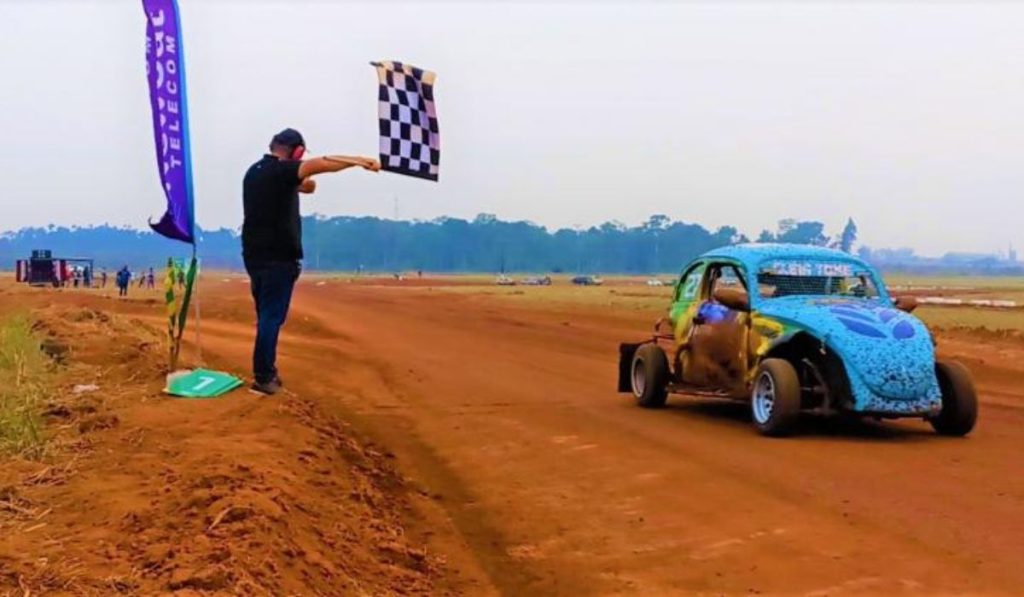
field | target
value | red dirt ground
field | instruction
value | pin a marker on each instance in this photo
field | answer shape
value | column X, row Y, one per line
column 517, row 467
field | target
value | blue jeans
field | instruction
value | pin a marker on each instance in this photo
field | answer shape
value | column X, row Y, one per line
column 272, row 283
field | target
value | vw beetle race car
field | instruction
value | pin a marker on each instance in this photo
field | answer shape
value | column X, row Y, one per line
column 796, row 328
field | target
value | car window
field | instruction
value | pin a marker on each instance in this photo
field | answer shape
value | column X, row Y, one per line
column 689, row 285
column 728, row 278
column 724, row 276
column 815, row 279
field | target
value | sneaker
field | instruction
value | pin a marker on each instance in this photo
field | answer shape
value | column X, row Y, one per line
column 277, row 379
column 269, row 388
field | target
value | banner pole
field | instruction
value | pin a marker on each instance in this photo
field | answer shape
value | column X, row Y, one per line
column 199, row 335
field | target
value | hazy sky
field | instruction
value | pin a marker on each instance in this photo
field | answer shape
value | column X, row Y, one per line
column 907, row 116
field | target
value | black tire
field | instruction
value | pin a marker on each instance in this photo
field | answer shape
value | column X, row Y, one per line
column 959, row 400
column 779, row 417
column 649, row 376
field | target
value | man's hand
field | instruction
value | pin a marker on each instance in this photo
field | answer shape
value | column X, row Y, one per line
column 371, row 164
column 308, row 185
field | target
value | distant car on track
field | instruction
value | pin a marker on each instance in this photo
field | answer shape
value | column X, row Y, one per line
column 537, row 281
column 587, row 281
column 794, row 328
column 504, row 280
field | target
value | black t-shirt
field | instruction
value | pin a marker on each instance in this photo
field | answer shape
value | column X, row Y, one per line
column 272, row 230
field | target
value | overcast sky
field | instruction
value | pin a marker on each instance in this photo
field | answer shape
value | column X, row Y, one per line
column 907, row 116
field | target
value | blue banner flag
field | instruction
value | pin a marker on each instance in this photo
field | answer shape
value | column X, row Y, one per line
column 165, row 69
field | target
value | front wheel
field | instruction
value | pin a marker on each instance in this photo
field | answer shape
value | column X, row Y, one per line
column 775, row 399
column 649, row 376
column 959, row 400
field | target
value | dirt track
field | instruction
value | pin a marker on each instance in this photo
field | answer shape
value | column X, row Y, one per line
column 562, row 486
column 506, row 413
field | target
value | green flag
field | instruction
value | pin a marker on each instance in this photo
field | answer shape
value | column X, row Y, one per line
column 190, row 279
column 177, row 310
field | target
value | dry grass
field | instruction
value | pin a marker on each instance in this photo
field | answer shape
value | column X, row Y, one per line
column 629, row 297
column 972, row 318
column 23, row 382
column 634, row 295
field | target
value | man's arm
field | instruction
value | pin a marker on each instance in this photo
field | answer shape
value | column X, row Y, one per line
column 335, row 163
column 308, row 185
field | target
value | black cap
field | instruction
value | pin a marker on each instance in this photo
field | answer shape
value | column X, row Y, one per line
column 288, row 138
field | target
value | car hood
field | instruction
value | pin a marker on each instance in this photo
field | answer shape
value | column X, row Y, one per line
column 889, row 350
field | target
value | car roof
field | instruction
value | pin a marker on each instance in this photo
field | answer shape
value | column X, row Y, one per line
column 753, row 254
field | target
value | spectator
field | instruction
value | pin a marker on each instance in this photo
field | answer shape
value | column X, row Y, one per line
column 124, row 277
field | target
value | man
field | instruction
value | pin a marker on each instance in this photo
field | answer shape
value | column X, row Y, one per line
column 123, row 278
column 272, row 238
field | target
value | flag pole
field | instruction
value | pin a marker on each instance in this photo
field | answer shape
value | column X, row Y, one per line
column 199, row 320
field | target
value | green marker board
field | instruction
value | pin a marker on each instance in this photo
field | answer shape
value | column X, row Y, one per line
column 203, row 383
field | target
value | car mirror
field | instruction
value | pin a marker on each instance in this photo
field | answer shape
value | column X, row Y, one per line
column 733, row 298
column 906, row 303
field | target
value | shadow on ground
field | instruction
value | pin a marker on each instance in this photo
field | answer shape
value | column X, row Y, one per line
column 848, row 427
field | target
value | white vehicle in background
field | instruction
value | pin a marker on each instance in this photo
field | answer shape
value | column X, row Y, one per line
column 504, row 280
column 537, row 281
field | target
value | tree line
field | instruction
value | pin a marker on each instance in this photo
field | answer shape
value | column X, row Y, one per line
column 483, row 244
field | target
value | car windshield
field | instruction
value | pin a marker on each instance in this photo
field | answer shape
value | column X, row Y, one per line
column 777, row 279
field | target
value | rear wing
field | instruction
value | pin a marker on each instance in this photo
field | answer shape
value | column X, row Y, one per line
column 626, row 352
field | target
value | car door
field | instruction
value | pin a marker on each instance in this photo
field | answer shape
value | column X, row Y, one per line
column 687, row 295
column 716, row 350
column 685, row 301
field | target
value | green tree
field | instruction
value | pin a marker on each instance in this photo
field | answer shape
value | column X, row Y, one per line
column 848, row 237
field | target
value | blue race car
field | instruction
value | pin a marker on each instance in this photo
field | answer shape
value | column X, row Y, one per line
column 794, row 328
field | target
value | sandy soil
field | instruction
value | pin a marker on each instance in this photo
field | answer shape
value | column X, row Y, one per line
column 518, row 469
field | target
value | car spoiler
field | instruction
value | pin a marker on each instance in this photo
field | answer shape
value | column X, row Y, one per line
column 626, row 352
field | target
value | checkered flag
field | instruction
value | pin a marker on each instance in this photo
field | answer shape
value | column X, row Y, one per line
column 409, row 139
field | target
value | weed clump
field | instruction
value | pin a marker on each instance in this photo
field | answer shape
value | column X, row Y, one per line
column 24, row 373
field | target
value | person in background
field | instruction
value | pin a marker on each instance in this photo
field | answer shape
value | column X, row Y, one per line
column 124, row 277
column 272, row 238
column 150, row 279
column 87, row 277
column 181, row 278
column 103, row 278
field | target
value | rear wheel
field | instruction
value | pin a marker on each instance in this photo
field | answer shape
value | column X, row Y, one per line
column 649, row 376
column 959, row 400
column 775, row 399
